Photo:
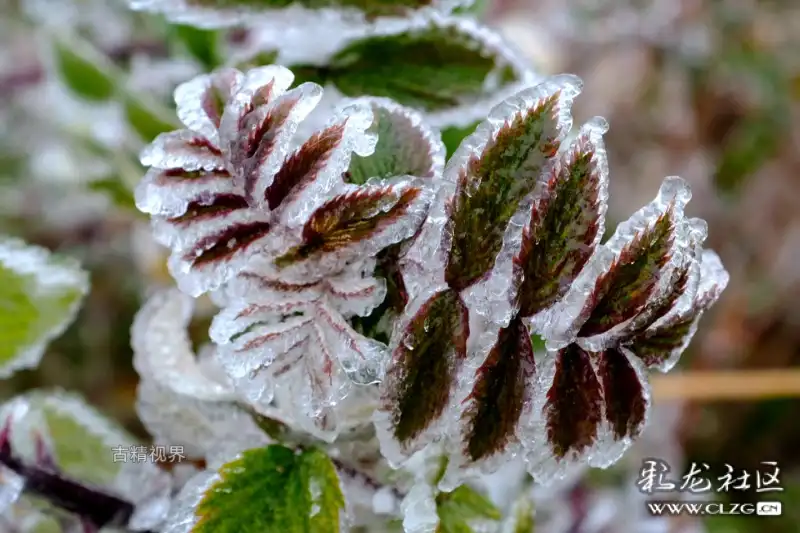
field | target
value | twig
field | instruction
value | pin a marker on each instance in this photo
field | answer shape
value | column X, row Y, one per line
column 727, row 385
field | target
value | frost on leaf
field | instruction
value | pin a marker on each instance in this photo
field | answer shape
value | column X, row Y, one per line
column 465, row 509
column 660, row 345
column 565, row 225
column 227, row 186
column 183, row 399
column 264, row 490
column 162, row 349
column 406, row 146
column 361, row 222
column 228, row 13
column 631, row 274
column 495, row 168
column 81, row 443
column 276, row 330
column 452, row 69
column 573, row 409
column 425, row 357
column 39, row 296
column 624, row 394
column 503, row 386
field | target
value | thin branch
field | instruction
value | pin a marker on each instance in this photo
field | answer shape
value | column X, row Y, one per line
column 729, row 385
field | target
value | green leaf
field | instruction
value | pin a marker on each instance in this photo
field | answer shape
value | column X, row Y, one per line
column 39, row 296
column 84, row 71
column 201, row 44
column 147, row 118
column 453, row 136
column 520, row 518
column 80, row 439
column 116, row 191
column 436, row 67
column 463, row 508
column 273, row 490
column 260, row 59
column 405, row 146
column 78, row 452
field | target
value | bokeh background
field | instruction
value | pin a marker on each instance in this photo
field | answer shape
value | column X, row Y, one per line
column 705, row 89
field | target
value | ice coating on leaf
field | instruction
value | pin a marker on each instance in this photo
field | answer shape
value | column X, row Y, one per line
column 419, row 510
column 350, row 126
column 626, row 274
column 162, row 350
column 502, row 388
column 661, row 345
column 357, row 223
column 41, row 294
column 288, row 332
column 566, row 415
column 452, row 69
column 11, row 485
column 495, row 168
column 225, row 14
column 566, row 223
column 407, row 146
column 197, row 425
column 427, row 350
column 81, row 442
column 182, row 518
column 271, row 488
column 229, row 187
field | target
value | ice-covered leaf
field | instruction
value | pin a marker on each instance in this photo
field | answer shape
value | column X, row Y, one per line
column 39, row 296
column 566, row 223
column 227, row 187
column 574, row 405
column 496, row 167
column 503, row 386
column 276, row 330
column 264, row 490
column 632, row 274
column 198, row 425
column 406, row 146
column 624, row 392
column 227, row 13
column 162, row 349
column 360, row 223
column 452, row 68
column 424, row 362
column 623, row 292
column 84, row 445
column 662, row 343
column 464, row 509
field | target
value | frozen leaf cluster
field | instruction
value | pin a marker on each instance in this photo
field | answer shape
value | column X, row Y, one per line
column 286, row 227
column 40, row 294
column 510, row 253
